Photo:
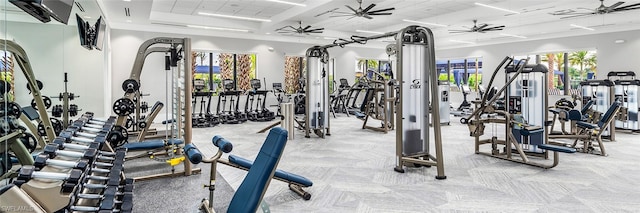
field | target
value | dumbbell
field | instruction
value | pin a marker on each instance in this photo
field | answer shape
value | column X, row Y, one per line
column 109, row 203
column 90, row 154
column 91, row 132
column 28, row 172
column 75, row 133
column 70, row 137
column 81, row 164
column 97, row 121
column 62, row 144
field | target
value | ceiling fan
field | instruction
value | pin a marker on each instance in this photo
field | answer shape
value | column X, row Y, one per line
column 366, row 12
column 299, row 30
column 617, row 7
column 482, row 28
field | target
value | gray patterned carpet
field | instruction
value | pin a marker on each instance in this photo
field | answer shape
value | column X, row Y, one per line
column 352, row 171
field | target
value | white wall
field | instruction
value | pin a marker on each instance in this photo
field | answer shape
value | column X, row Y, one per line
column 611, row 56
column 270, row 65
column 52, row 50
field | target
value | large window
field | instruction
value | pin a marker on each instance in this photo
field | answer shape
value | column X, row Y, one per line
column 241, row 68
column 461, row 71
column 369, row 67
column 582, row 65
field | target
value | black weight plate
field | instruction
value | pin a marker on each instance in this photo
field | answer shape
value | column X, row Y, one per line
column 29, row 142
column 12, row 109
column 46, row 100
column 38, row 82
column 57, row 125
column 123, row 106
column 130, row 86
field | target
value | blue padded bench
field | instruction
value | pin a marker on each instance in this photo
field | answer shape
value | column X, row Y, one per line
column 249, row 195
column 279, row 173
column 151, row 144
column 556, row 148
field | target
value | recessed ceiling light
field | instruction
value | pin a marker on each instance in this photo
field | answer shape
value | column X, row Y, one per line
column 233, row 17
column 464, row 42
column 619, row 41
column 128, row 21
column 87, row 16
column 366, row 31
column 329, row 38
column 511, row 35
column 497, row 8
column 289, row 3
column 425, row 23
column 582, row 27
column 217, row 28
column 126, row 0
column 268, row 33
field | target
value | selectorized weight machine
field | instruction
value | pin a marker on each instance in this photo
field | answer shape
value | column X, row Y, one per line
column 416, row 71
column 626, row 91
column 524, row 116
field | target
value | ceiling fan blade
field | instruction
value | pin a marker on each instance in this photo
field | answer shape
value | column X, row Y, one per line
column 368, row 8
column 382, row 10
column 367, row 16
column 306, row 28
column 313, row 32
column 496, row 27
column 328, row 11
column 351, row 8
column 351, row 17
column 378, row 14
column 628, row 7
column 482, row 26
column 613, row 6
column 345, row 15
column 340, row 12
column 578, row 15
column 458, row 32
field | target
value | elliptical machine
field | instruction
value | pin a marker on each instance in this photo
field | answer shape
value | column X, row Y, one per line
column 261, row 112
column 204, row 117
column 232, row 116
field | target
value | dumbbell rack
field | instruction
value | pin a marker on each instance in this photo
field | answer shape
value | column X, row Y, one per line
column 78, row 171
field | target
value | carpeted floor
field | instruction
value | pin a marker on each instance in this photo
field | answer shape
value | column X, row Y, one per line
column 352, row 171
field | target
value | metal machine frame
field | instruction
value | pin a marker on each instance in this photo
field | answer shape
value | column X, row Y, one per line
column 184, row 127
column 23, row 61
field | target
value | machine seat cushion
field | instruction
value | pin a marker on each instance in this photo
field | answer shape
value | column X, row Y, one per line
column 359, row 114
column 31, row 113
column 151, row 144
column 279, row 173
column 556, row 148
column 249, row 195
column 586, row 125
column 574, row 115
column 531, row 130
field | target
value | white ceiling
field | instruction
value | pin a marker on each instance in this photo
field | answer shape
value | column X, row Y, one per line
column 533, row 22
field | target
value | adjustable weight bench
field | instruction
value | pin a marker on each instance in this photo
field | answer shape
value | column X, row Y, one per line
column 251, row 191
